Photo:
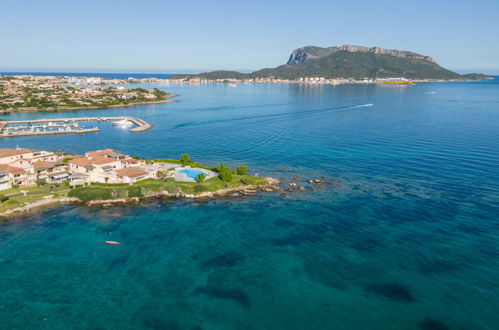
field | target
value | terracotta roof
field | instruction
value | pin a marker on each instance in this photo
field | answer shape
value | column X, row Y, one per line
column 41, row 164
column 131, row 172
column 11, row 169
column 100, row 152
column 8, row 152
column 102, row 160
column 83, row 161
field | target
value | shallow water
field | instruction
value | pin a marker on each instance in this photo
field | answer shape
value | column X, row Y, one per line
column 406, row 238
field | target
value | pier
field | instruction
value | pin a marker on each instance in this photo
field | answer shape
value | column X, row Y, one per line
column 36, row 127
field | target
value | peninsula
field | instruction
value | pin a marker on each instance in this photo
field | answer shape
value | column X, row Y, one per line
column 32, row 178
column 54, row 93
column 343, row 64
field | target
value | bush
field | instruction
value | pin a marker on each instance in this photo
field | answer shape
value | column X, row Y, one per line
column 200, row 177
column 41, row 182
column 225, row 174
column 87, row 194
column 242, row 170
column 3, row 198
column 185, row 159
column 135, row 191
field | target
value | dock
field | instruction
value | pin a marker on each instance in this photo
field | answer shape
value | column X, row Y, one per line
column 32, row 129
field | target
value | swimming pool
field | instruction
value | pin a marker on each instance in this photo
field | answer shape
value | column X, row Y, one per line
column 191, row 173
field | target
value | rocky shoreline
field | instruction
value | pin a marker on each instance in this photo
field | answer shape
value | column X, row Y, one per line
column 273, row 185
column 242, row 191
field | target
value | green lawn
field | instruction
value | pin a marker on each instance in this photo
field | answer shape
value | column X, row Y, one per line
column 103, row 191
column 150, row 186
column 20, row 201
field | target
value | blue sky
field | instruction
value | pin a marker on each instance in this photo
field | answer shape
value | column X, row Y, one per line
column 191, row 35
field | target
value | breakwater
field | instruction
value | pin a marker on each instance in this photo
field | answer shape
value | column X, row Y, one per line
column 35, row 127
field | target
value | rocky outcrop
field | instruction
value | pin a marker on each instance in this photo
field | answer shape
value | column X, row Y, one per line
column 245, row 190
column 301, row 55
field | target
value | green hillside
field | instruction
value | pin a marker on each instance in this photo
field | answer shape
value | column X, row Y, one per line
column 344, row 64
column 351, row 62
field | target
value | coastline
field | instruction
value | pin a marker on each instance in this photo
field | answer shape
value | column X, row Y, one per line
column 48, row 200
column 11, row 110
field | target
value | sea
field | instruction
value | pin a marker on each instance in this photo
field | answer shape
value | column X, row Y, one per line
column 405, row 236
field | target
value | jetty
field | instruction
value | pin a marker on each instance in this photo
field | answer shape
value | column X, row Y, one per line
column 52, row 126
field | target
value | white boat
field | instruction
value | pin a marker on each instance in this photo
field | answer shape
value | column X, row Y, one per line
column 122, row 123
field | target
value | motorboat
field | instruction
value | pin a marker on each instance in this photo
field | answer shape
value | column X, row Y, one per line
column 122, row 123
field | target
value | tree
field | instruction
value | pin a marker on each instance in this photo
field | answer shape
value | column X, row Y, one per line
column 200, row 177
column 185, row 159
column 106, row 179
column 242, row 170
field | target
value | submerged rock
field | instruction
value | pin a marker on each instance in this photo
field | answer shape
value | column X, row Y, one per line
column 432, row 324
column 392, row 290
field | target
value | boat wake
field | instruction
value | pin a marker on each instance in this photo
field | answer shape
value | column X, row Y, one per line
column 294, row 114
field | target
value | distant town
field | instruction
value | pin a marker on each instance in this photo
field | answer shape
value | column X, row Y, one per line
column 31, row 93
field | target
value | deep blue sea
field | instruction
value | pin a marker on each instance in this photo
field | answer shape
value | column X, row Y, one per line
column 407, row 238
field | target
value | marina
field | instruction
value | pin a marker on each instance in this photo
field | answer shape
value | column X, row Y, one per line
column 53, row 126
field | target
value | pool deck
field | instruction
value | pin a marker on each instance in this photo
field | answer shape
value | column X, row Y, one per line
column 183, row 177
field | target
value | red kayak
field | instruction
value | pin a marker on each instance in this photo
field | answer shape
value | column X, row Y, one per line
column 112, row 243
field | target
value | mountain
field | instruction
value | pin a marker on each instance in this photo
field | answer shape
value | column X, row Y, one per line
column 301, row 55
column 356, row 62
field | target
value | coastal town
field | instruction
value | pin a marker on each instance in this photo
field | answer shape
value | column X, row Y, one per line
column 33, row 93
column 30, row 178
column 23, row 167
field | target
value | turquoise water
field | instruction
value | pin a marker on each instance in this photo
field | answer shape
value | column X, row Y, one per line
column 406, row 238
column 191, row 173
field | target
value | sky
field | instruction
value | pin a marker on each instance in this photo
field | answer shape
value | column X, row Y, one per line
column 185, row 36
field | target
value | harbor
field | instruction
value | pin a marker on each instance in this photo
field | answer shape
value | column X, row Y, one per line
column 53, row 126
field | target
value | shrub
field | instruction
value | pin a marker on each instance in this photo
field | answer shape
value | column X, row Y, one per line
column 225, row 174
column 185, row 159
column 3, row 198
column 135, row 191
column 67, row 159
column 200, row 177
column 41, row 181
column 219, row 167
column 242, row 170
column 87, row 194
